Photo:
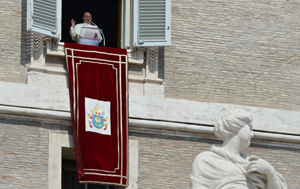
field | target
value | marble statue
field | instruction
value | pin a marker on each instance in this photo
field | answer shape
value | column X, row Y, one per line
column 225, row 167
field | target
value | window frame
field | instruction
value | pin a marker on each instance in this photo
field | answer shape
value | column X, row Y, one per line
column 125, row 17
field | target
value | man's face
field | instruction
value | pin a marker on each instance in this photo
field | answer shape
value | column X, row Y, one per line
column 87, row 17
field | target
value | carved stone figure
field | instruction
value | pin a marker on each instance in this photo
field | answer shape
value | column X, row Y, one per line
column 225, row 167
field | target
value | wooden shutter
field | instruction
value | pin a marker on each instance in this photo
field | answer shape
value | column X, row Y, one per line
column 152, row 23
column 44, row 16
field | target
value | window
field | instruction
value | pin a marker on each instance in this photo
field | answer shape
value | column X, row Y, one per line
column 61, row 148
column 70, row 179
column 152, row 19
column 105, row 14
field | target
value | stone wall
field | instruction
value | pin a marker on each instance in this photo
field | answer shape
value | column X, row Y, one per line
column 237, row 52
column 165, row 161
column 24, row 147
column 14, row 51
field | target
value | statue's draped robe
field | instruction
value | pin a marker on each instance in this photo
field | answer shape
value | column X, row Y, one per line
column 217, row 169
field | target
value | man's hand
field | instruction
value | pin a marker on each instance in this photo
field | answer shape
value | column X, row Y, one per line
column 73, row 23
column 96, row 36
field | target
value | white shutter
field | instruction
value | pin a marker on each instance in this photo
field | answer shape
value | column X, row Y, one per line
column 152, row 23
column 44, row 16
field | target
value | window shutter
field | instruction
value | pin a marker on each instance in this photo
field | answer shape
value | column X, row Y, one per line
column 152, row 23
column 44, row 16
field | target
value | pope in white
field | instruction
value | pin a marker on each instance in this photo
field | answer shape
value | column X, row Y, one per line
column 76, row 29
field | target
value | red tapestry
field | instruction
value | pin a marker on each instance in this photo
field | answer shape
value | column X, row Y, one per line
column 98, row 98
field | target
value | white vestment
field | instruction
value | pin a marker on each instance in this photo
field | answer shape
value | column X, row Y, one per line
column 75, row 31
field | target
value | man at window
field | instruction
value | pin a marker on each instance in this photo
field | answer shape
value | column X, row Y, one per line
column 76, row 29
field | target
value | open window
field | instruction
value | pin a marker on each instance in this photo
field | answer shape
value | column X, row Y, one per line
column 151, row 20
column 105, row 13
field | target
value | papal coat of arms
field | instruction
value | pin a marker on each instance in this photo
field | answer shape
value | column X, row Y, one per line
column 97, row 116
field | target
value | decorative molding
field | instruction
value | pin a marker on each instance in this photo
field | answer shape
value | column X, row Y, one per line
column 152, row 55
column 33, row 114
column 199, row 131
column 142, row 79
column 140, row 49
column 154, row 81
column 136, row 79
column 37, row 40
column 49, row 70
column 55, row 49
column 135, row 125
column 136, row 56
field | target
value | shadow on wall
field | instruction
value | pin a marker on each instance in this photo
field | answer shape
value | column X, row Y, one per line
column 161, row 63
column 25, row 40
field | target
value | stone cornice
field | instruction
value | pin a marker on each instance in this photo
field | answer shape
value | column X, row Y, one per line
column 135, row 125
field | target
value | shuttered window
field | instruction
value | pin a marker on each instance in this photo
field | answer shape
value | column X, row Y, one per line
column 44, row 16
column 152, row 20
column 152, row 23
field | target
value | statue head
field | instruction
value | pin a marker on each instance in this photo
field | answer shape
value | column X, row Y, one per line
column 232, row 122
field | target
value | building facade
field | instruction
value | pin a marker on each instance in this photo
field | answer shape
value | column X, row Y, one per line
column 223, row 55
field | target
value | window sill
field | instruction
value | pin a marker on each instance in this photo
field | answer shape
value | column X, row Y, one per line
column 59, row 50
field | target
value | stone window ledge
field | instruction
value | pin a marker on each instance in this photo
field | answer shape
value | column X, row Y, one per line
column 59, row 50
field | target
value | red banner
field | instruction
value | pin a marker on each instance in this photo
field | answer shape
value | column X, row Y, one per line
column 98, row 98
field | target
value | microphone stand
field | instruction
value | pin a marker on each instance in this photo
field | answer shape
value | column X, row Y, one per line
column 101, row 32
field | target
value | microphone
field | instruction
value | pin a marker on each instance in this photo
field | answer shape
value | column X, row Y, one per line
column 101, row 32
column 93, row 23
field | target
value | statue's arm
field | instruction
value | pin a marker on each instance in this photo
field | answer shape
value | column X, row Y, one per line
column 274, row 180
column 199, row 175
